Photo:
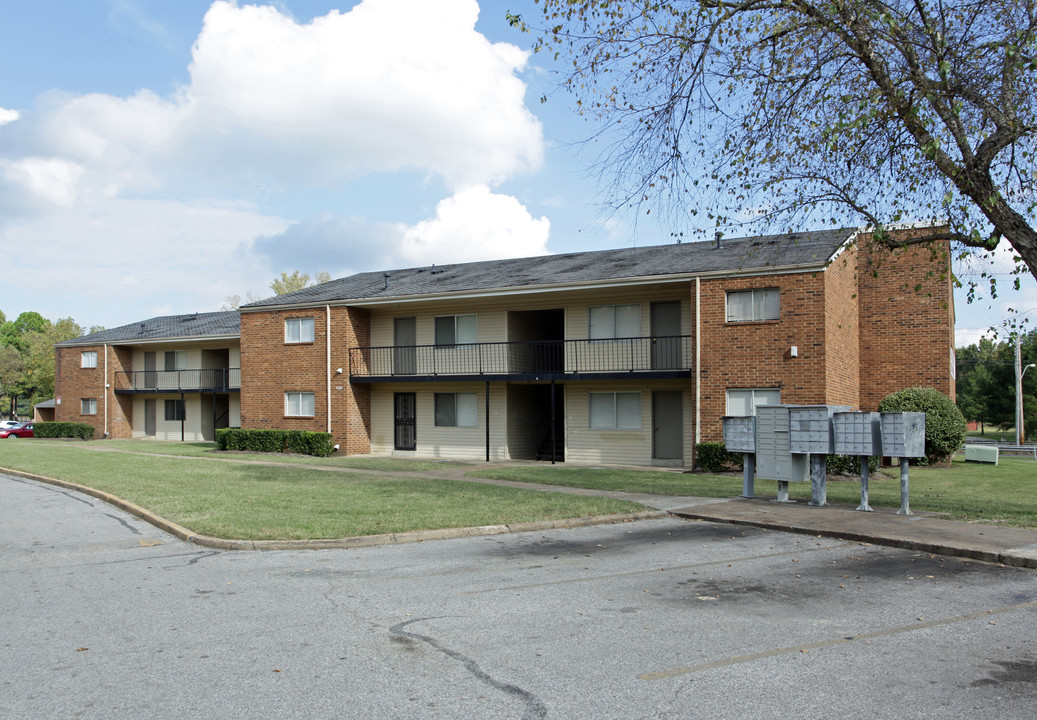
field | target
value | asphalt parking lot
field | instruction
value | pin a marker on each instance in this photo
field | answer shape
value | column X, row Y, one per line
column 106, row 616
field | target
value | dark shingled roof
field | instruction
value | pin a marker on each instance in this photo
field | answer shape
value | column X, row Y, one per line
column 806, row 249
column 214, row 324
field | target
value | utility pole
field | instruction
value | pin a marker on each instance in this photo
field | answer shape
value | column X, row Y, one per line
column 1020, row 434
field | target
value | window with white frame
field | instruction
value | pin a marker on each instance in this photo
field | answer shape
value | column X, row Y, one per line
column 175, row 360
column 744, row 401
column 298, row 330
column 614, row 321
column 456, row 330
column 88, row 406
column 615, row 410
column 175, row 410
column 298, row 404
column 752, row 305
column 457, row 409
column 88, row 359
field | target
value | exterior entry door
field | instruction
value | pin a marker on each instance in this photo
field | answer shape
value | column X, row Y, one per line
column 404, row 338
column 149, row 417
column 666, row 341
column 150, row 376
column 667, row 425
column 405, row 421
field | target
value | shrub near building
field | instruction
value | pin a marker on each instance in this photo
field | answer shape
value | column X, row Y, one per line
column 944, row 424
column 82, row 431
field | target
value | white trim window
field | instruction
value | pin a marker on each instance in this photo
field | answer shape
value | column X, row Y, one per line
column 88, row 406
column 744, row 401
column 88, row 359
column 453, row 330
column 608, row 322
column 615, row 410
column 298, row 404
column 457, row 409
column 753, row 305
column 298, row 330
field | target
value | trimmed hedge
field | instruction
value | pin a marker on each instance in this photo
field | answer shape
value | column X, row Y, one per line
column 714, row 457
column 63, row 430
column 302, row 442
column 944, row 424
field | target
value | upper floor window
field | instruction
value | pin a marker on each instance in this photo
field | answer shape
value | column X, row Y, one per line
column 614, row 321
column 744, row 400
column 88, row 406
column 176, row 360
column 298, row 330
column 457, row 410
column 298, row 404
column 456, row 330
column 88, row 359
column 749, row 305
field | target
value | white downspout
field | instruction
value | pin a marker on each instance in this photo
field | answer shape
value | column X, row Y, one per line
column 107, row 386
column 698, row 361
column 327, row 347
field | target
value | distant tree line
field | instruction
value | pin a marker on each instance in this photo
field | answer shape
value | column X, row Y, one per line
column 985, row 383
column 27, row 359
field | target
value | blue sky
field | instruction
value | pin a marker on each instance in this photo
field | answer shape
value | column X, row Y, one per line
column 158, row 156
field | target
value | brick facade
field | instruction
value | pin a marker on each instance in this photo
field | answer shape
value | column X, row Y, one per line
column 75, row 383
column 270, row 367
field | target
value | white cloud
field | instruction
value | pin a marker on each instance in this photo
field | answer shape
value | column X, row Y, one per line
column 49, row 181
column 475, row 224
column 8, row 116
column 125, row 259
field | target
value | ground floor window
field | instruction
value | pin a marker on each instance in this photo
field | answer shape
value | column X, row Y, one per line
column 298, row 404
column 457, row 409
column 175, row 410
column 89, row 406
column 743, row 401
column 615, row 410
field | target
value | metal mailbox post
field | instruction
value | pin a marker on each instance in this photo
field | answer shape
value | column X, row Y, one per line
column 740, row 436
column 859, row 433
column 810, row 433
column 774, row 458
column 903, row 436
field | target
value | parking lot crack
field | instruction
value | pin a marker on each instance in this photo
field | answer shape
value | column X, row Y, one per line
column 535, row 708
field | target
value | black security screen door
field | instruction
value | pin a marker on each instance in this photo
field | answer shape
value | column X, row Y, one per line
column 404, row 411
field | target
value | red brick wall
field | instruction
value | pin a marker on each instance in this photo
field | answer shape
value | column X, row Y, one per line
column 842, row 351
column 907, row 319
column 73, row 383
column 270, row 367
column 757, row 354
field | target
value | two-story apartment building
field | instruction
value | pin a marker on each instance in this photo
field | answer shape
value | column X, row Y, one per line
column 621, row 356
column 170, row 378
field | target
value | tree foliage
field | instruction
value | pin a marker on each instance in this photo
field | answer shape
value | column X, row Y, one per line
column 27, row 356
column 870, row 111
column 985, row 383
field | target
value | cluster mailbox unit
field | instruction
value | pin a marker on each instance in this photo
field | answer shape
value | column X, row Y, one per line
column 789, row 443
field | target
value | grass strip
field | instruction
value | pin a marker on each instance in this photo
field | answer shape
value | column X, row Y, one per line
column 1005, row 494
column 248, row 501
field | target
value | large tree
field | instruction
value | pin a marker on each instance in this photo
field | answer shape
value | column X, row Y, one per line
column 848, row 110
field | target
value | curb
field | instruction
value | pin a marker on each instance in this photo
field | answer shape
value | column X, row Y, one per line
column 179, row 531
column 1016, row 557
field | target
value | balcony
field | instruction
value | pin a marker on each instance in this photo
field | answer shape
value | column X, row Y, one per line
column 644, row 357
column 210, row 380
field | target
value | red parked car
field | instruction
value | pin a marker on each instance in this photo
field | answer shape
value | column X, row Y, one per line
column 20, row 431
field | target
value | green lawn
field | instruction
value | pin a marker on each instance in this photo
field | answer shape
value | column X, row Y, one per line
column 1005, row 494
column 257, row 502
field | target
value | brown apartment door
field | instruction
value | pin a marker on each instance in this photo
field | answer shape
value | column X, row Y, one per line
column 149, row 417
column 404, row 338
column 667, row 425
column 150, row 376
column 666, row 330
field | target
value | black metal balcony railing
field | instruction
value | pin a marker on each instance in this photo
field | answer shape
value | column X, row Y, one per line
column 670, row 354
column 207, row 380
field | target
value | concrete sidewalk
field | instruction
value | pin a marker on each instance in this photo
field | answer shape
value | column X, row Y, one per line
column 924, row 531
